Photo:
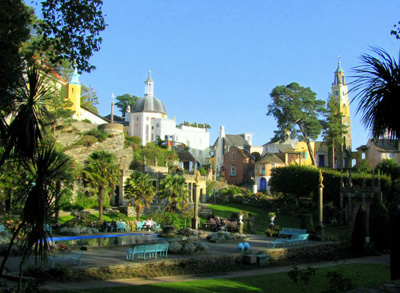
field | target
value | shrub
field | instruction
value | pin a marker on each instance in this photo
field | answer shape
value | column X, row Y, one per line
column 359, row 231
column 87, row 140
column 307, row 223
column 379, row 230
column 98, row 134
column 174, row 247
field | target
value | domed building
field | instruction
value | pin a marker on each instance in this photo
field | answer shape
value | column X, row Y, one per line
column 148, row 120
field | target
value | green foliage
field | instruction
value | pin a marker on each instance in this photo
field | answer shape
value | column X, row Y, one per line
column 301, row 180
column 98, row 134
column 132, row 141
column 124, row 101
column 359, row 231
column 152, row 152
column 362, row 166
column 167, row 218
column 338, row 283
column 307, row 223
column 71, row 31
column 174, row 191
column 101, row 174
column 15, row 18
column 334, row 129
column 89, row 98
column 302, row 278
column 379, row 225
column 296, row 111
column 389, row 167
column 297, row 180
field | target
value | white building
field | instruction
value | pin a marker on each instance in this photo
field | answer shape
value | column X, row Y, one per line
column 148, row 120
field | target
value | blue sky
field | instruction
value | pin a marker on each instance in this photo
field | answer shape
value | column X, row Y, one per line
column 216, row 62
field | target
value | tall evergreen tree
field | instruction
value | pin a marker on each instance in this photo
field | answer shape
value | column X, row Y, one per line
column 334, row 129
column 296, row 110
column 124, row 101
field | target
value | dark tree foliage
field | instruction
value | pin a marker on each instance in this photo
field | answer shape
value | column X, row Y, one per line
column 72, row 30
column 359, row 231
column 396, row 31
column 389, row 167
column 379, row 225
column 377, row 87
column 14, row 30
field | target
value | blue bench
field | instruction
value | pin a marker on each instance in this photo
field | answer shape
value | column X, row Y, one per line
column 291, row 231
column 152, row 250
column 297, row 239
column 139, row 226
column 121, row 226
column 76, row 257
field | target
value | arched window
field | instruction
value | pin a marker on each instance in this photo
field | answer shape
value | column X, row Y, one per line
column 353, row 162
column 233, row 171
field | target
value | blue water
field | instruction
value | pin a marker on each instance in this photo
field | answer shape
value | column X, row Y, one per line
column 104, row 239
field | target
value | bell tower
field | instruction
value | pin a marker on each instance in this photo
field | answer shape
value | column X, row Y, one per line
column 74, row 94
column 341, row 97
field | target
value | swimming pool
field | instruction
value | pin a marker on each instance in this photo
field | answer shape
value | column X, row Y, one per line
column 104, row 239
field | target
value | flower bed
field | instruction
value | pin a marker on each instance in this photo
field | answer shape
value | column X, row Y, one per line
column 223, row 236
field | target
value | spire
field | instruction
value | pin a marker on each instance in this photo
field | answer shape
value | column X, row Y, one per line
column 75, row 76
column 148, row 91
column 339, row 68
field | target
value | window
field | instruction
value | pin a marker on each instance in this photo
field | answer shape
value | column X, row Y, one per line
column 389, row 155
column 233, row 156
column 157, row 125
column 336, row 93
column 262, row 171
column 305, row 155
column 233, row 171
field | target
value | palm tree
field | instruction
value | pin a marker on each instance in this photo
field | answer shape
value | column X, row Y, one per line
column 101, row 173
column 37, row 196
column 25, row 132
column 139, row 190
column 377, row 87
column 174, row 190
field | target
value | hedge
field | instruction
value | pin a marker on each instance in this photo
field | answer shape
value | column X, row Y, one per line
column 303, row 181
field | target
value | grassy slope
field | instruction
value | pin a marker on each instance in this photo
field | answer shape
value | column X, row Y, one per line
column 361, row 275
column 262, row 219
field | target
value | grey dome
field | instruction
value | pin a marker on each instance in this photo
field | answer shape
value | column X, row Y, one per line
column 149, row 104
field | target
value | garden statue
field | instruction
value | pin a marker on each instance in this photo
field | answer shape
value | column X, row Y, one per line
column 272, row 217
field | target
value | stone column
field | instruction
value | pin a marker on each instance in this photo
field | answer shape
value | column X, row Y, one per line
column 320, row 225
column 196, row 219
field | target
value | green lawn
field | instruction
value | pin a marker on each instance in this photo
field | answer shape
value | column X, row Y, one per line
column 262, row 218
column 361, row 275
